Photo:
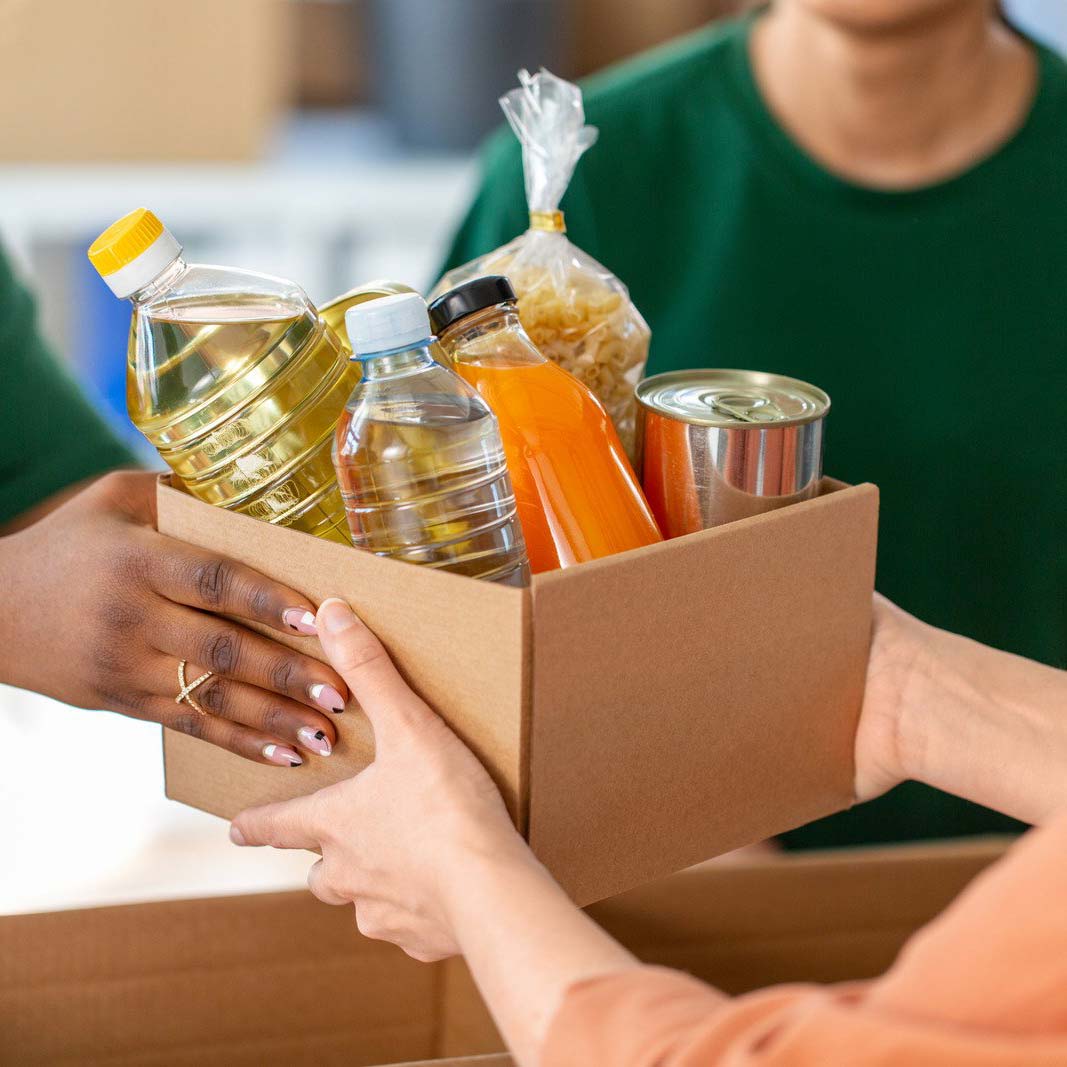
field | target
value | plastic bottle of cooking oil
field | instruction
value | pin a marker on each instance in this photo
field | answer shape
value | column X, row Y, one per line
column 233, row 376
column 578, row 497
column 419, row 456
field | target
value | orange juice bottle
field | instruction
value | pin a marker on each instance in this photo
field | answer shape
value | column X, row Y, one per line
column 578, row 498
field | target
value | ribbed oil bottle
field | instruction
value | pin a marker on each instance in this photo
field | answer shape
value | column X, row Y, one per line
column 233, row 376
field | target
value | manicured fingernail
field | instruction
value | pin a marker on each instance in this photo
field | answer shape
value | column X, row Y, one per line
column 301, row 620
column 327, row 697
column 335, row 616
column 314, row 740
column 283, row 755
column 236, row 836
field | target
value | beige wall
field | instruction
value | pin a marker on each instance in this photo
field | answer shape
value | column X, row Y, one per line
column 131, row 80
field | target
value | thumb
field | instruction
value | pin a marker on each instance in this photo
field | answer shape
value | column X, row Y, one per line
column 361, row 660
column 287, row 824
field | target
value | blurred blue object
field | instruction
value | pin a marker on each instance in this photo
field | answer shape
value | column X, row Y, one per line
column 1045, row 20
column 98, row 349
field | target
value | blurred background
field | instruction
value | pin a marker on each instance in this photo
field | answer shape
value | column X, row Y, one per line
column 327, row 141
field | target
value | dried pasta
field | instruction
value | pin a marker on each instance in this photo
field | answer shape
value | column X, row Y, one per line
column 575, row 310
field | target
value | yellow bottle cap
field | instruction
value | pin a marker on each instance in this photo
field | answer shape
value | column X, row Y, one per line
column 123, row 241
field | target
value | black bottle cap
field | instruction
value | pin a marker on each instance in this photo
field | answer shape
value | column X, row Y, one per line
column 468, row 298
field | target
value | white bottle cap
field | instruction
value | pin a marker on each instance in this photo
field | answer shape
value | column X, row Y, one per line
column 386, row 323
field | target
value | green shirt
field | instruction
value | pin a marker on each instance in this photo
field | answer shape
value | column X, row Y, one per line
column 50, row 436
column 936, row 319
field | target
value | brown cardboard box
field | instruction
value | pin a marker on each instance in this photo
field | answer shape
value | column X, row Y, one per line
column 605, row 31
column 280, row 979
column 141, row 79
column 640, row 713
column 332, row 52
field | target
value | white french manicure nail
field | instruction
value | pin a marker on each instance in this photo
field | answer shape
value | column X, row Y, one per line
column 314, row 740
column 301, row 620
column 327, row 697
column 282, row 755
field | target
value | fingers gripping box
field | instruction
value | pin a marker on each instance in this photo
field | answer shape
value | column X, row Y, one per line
column 639, row 713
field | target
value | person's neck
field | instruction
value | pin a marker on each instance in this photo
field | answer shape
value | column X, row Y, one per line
column 900, row 107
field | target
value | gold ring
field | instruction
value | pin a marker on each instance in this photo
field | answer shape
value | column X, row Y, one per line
column 187, row 688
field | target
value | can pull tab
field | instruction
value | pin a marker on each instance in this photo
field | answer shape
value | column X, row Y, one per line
column 746, row 407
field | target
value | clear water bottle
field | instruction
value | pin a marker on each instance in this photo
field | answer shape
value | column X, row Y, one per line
column 418, row 454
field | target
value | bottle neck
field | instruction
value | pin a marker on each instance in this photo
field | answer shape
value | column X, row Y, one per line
column 396, row 362
column 493, row 331
column 166, row 279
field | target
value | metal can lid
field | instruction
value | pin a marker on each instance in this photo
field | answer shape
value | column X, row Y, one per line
column 733, row 398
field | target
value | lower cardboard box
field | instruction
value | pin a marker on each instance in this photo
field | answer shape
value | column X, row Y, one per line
column 280, row 979
column 640, row 713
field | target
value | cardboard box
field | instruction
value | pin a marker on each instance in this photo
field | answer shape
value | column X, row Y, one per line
column 605, row 31
column 281, row 979
column 332, row 52
column 137, row 80
column 640, row 713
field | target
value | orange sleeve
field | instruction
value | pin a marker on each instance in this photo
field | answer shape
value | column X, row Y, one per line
column 985, row 984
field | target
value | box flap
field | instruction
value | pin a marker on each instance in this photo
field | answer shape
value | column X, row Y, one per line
column 472, row 664
column 803, row 917
column 229, row 982
column 751, row 640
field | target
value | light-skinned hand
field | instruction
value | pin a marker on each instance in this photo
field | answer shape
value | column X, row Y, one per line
column 398, row 840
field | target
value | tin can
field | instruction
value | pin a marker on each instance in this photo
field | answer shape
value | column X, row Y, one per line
column 719, row 445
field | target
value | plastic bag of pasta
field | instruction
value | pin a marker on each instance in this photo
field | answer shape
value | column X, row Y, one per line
column 575, row 310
